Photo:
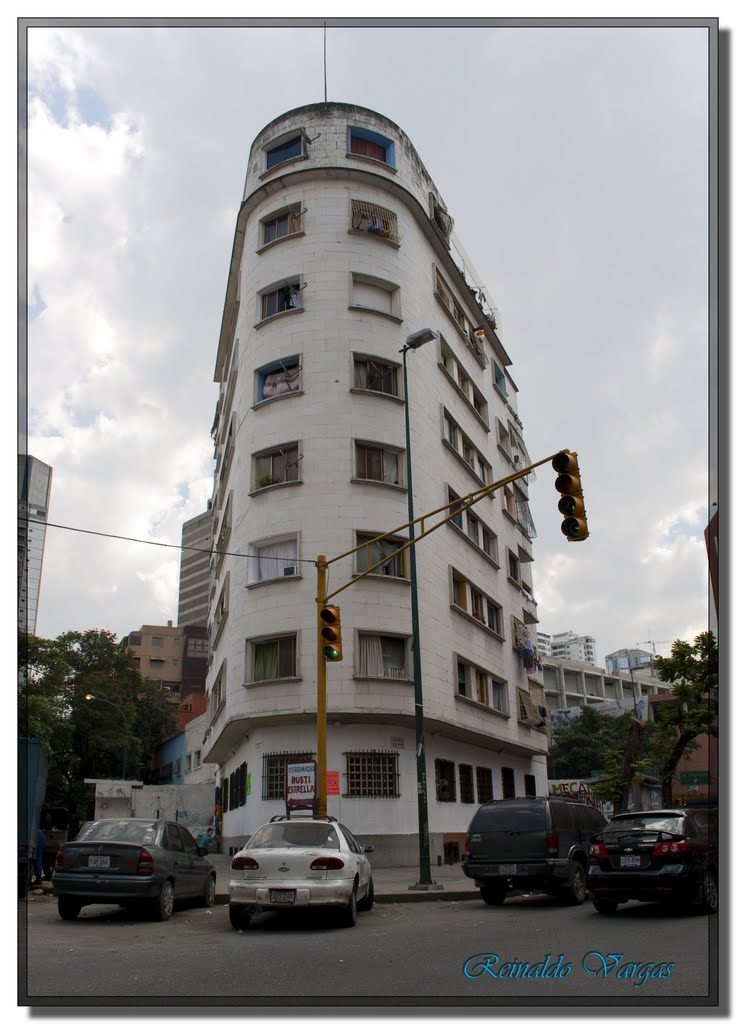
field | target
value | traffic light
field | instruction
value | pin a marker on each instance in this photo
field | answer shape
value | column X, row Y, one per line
column 575, row 524
column 331, row 633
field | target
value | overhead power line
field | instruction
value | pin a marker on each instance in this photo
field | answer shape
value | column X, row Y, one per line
column 162, row 544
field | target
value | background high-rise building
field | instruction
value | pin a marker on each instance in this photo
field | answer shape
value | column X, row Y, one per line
column 567, row 645
column 626, row 659
column 194, row 571
column 343, row 249
column 34, row 492
column 175, row 657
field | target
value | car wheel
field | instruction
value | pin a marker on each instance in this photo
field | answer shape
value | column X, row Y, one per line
column 239, row 917
column 367, row 902
column 210, row 888
column 163, row 905
column 493, row 895
column 577, row 890
column 349, row 915
column 709, row 893
column 605, row 906
column 69, row 908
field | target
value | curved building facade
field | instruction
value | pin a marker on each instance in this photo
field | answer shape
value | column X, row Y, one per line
column 342, row 250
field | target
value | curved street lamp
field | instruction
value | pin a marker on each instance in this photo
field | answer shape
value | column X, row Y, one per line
column 92, row 696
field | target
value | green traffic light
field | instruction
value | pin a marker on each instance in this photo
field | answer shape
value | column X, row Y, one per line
column 331, row 653
column 570, row 527
column 569, row 506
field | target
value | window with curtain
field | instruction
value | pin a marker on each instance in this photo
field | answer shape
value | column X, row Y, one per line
column 268, row 561
column 376, row 463
column 382, row 656
column 274, row 659
column 376, row 552
column 373, row 375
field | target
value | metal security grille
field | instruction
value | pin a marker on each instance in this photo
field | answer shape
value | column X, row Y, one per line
column 274, row 772
column 375, row 220
column 484, row 784
column 370, row 773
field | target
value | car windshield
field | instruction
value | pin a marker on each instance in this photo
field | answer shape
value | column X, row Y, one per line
column 655, row 822
column 289, row 833
column 143, row 832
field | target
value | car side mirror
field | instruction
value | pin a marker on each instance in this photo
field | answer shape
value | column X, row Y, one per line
column 368, row 849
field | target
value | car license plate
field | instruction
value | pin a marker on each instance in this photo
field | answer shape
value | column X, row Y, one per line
column 507, row 869
column 630, row 861
column 98, row 862
column 282, row 895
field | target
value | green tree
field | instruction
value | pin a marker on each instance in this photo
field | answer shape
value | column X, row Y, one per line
column 692, row 672
column 579, row 749
column 87, row 739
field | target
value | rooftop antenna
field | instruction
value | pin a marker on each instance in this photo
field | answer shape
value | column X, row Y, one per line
column 324, row 55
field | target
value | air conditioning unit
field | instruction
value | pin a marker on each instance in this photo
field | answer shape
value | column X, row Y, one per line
column 289, row 570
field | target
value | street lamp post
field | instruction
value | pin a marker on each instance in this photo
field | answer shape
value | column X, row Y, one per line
column 92, row 696
column 415, row 341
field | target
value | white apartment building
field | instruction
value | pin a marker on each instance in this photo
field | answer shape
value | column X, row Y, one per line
column 341, row 251
column 567, row 645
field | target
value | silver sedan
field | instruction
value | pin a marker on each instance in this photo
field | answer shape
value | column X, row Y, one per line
column 298, row 863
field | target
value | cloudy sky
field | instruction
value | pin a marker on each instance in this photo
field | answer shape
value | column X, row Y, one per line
column 575, row 164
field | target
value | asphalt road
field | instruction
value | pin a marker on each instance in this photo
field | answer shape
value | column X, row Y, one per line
column 401, row 954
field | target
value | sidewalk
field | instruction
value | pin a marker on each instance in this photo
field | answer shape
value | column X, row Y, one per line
column 392, row 885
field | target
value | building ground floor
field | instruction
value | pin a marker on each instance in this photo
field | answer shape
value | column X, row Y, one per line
column 372, row 783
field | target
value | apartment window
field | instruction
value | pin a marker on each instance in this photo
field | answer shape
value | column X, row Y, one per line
column 382, row 657
column 459, row 591
column 276, row 466
column 216, row 696
column 499, row 701
column 277, row 379
column 509, row 502
column 504, row 439
column 223, row 536
column 187, row 763
column 514, row 568
column 455, row 508
column 481, row 683
column 221, row 609
column 376, row 462
column 197, row 759
column 484, row 784
column 467, row 793
column 362, row 142
column 274, row 559
column 530, row 785
column 463, row 678
column 372, row 774
column 376, row 551
column 374, row 375
column 289, row 148
column 444, row 776
column 473, row 528
column 281, row 298
column 273, row 779
column 282, row 224
column 499, row 379
column 375, row 295
column 450, row 431
column 508, row 784
column 157, row 641
column 374, row 220
column 274, row 658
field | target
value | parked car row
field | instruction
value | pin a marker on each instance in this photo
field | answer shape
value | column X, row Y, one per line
column 544, row 844
column 568, row 849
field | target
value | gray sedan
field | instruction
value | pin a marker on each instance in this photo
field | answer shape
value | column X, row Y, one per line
column 134, row 862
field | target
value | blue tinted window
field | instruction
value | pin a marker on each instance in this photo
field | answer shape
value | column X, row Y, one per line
column 286, row 151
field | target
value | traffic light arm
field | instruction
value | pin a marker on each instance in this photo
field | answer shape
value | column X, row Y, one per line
column 458, row 505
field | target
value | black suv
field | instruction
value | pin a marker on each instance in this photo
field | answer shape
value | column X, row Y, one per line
column 655, row 856
column 533, row 844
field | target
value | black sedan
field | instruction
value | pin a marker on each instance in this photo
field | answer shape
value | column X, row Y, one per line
column 135, row 862
column 656, row 856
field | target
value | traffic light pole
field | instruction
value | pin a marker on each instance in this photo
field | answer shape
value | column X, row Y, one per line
column 321, row 693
